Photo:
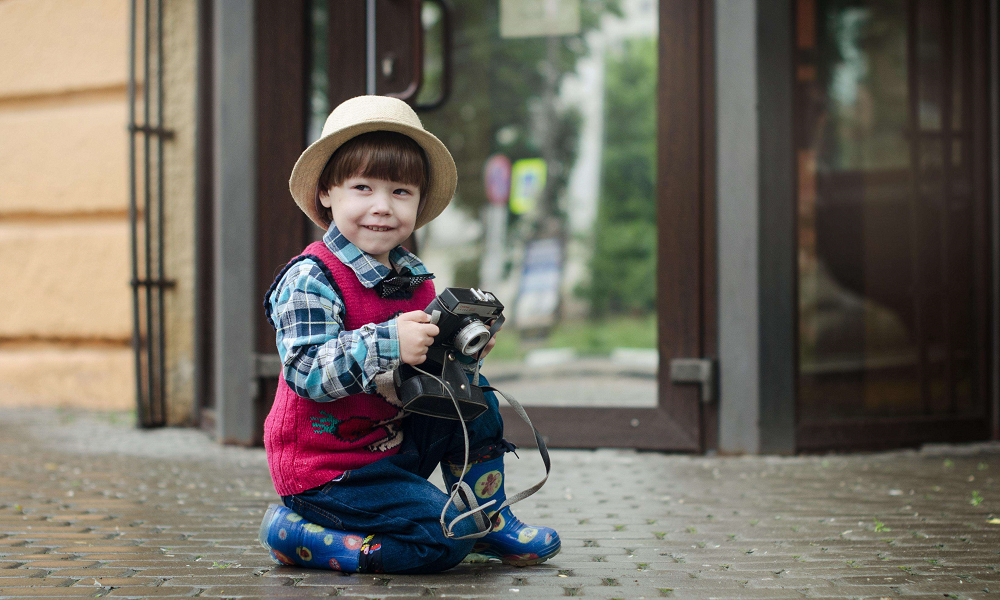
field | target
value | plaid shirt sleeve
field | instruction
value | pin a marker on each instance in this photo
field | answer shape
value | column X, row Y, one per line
column 321, row 360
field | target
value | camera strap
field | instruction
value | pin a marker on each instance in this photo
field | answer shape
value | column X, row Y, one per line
column 463, row 497
column 542, row 449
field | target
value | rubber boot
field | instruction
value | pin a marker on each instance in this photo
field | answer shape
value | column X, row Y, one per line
column 511, row 541
column 291, row 540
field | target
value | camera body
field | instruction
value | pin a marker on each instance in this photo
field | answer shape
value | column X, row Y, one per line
column 464, row 317
column 467, row 319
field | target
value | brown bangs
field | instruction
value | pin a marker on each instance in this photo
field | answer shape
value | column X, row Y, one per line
column 380, row 155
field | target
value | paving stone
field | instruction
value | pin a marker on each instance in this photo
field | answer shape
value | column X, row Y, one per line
column 109, row 571
column 36, row 582
column 113, row 581
column 47, row 592
column 58, row 564
column 168, row 513
column 226, row 591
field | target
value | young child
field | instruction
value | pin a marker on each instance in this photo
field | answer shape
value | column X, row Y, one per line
column 350, row 466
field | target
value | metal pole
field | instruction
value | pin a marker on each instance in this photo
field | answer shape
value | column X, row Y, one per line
column 370, row 48
column 947, row 139
column 995, row 201
column 136, row 345
column 916, row 271
column 147, row 203
column 160, row 405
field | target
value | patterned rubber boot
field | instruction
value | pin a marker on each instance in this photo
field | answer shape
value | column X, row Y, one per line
column 511, row 541
column 291, row 540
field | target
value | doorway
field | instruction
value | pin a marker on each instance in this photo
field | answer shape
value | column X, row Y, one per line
column 564, row 124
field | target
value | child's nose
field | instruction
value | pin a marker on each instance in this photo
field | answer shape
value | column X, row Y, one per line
column 381, row 204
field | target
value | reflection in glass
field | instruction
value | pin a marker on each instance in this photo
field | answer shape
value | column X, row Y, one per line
column 568, row 98
column 319, row 78
column 885, row 210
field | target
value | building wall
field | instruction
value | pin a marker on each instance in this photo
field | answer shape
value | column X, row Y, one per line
column 66, row 323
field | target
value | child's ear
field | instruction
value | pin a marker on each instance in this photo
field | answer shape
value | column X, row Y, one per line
column 323, row 197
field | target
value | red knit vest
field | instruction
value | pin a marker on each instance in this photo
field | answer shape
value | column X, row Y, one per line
column 309, row 443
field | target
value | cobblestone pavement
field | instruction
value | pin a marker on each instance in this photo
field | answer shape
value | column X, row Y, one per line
column 91, row 507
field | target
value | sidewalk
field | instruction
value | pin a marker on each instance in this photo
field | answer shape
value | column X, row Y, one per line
column 91, row 507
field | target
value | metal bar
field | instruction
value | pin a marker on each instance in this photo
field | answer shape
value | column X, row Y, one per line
column 203, row 396
column 147, row 220
column 994, row 12
column 234, row 218
column 912, row 63
column 166, row 134
column 161, row 318
column 738, row 199
column 947, row 95
column 370, row 48
column 978, row 178
column 136, row 342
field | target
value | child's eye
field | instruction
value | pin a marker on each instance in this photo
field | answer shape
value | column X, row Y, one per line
column 403, row 192
column 362, row 187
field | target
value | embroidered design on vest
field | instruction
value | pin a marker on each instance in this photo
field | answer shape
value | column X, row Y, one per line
column 354, row 428
column 325, row 424
column 393, row 439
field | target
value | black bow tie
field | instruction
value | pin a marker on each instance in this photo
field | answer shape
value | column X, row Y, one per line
column 400, row 285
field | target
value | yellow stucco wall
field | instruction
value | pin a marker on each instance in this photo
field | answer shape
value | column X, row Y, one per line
column 66, row 327
column 54, row 46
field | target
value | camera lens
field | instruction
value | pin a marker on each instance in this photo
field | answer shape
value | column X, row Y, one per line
column 471, row 338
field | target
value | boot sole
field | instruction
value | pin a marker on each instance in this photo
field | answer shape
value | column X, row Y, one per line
column 484, row 557
column 530, row 562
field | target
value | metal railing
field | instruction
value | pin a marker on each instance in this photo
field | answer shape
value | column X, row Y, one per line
column 148, row 282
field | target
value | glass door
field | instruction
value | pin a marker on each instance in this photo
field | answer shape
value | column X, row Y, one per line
column 552, row 111
column 552, row 121
column 892, row 222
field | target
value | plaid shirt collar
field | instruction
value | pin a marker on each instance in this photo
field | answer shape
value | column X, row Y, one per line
column 369, row 270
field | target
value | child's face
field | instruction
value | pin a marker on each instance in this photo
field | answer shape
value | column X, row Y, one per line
column 376, row 215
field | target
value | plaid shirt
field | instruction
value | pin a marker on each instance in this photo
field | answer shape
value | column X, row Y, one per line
column 321, row 360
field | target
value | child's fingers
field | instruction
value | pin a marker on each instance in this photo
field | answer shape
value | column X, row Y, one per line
column 417, row 316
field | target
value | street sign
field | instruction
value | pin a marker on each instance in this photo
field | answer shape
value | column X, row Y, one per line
column 532, row 18
column 496, row 178
column 527, row 184
column 538, row 294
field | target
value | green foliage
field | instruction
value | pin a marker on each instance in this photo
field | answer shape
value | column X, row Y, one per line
column 500, row 84
column 624, row 262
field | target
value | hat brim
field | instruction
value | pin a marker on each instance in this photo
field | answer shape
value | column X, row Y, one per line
column 442, row 172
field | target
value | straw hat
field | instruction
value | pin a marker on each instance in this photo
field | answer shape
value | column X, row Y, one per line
column 374, row 113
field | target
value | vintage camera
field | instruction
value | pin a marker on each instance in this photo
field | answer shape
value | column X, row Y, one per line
column 464, row 317
column 467, row 319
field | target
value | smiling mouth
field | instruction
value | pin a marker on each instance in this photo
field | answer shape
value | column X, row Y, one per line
column 373, row 228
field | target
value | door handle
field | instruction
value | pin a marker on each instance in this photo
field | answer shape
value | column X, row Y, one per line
column 702, row 371
column 416, row 56
column 447, row 20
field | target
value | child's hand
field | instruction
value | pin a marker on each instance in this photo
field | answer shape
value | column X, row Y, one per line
column 490, row 344
column 416, row 334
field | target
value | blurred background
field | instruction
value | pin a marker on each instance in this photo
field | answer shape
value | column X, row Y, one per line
column 716, row 225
